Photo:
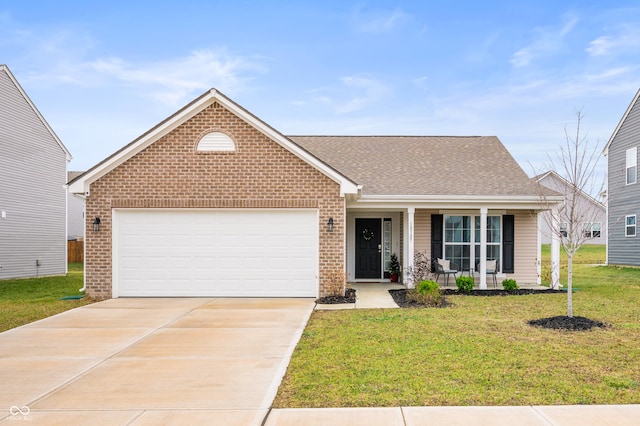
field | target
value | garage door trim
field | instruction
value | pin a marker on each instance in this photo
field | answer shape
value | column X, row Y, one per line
column 311, row 290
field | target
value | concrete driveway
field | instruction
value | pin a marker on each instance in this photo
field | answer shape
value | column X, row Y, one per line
column 151, row 361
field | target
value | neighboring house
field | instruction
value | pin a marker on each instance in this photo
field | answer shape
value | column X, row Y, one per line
column 215, row 202
column 623, row 188
column 75, row 212
column 33, row 197
column 595, row 230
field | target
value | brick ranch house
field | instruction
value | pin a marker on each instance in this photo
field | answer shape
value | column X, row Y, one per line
column 215, row 202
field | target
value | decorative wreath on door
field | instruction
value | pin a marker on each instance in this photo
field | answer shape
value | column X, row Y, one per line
column 367, row 234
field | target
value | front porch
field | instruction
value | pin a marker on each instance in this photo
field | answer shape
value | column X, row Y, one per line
column 467, row 237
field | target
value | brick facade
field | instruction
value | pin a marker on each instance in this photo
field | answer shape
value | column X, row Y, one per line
column 171, row 174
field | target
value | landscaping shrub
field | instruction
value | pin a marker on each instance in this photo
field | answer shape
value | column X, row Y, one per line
column 427, row 292
column 427, row 286
column 420, row 271
column 465, row 284
column 510, row 285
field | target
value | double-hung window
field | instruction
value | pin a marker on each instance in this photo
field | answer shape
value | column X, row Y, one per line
column 462, row 239
column 632, row 165
column 457, row 240
column 630, row 225
column 563, row 229
column 493, row 238
column 592, row 230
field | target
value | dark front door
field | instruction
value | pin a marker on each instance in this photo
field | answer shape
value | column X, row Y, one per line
column 368, row 248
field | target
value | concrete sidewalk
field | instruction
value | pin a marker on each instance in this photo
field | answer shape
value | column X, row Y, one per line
column 562, row 415
column 368, row 295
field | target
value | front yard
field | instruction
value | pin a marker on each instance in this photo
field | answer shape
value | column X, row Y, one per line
column 26, row 300
column 478, row 352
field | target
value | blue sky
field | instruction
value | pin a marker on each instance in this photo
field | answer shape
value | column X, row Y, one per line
column 104, row 73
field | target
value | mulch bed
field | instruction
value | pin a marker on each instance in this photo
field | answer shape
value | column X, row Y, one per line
column 555, row 323
column 349, row 297
column 567, row 323
column 400, row 297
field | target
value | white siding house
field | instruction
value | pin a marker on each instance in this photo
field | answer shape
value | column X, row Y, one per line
column 595, row 230
column 33, row 196
column 75, row 212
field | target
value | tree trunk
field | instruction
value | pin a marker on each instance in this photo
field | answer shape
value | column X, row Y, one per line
column 570, row 285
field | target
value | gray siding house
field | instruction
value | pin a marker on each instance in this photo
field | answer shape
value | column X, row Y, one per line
column 75, row 212
column 623, row 192
column 33, row 195
column 594, row 212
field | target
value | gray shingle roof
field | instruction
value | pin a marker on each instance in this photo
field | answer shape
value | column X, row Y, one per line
column 423, row 165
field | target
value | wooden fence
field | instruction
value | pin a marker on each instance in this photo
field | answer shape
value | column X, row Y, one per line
column 75, row 251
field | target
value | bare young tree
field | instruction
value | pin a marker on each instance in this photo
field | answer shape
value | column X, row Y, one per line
column 576, row 163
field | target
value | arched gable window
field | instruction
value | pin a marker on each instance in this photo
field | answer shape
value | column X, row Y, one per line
column 216, row 142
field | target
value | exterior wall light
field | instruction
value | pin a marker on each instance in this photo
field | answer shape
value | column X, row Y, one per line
column 96, row 224
column 330, row 225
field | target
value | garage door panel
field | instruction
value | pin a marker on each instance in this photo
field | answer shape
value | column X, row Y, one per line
column 216, row 253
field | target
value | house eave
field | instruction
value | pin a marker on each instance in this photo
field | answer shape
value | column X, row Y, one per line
column 605, row 151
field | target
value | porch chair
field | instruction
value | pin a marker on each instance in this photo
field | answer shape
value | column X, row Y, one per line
column 493, row 266
column 446, row 268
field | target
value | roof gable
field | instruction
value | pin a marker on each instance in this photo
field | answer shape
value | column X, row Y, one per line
column 5, row 69
column 605, row 151
column 548, row 179
column 82, row 183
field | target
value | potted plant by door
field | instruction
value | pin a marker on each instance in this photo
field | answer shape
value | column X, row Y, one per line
column 394, row 268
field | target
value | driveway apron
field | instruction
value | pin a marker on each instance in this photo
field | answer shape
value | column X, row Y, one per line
column 151, row 361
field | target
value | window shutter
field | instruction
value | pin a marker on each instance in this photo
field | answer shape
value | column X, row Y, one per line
column 436, row 236
column 508, row 244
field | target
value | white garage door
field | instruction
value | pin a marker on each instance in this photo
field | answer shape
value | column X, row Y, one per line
column 268, row 253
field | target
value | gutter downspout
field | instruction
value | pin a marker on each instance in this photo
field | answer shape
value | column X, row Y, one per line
column 84, row 246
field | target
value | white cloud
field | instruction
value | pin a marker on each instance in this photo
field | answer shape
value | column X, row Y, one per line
column 69, row 55
column 378, row 22
column 174, row 81
column 371, row 91
column 353, row 94
column 547, row 40
column 626, row 39
column 421, row 82
column 171, row 82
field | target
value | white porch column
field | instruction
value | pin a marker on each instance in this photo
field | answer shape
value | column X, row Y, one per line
column 483, row 247
column 555, row 250
column 539, row 254
column 408, row 245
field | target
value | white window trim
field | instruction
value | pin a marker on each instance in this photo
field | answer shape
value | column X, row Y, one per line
column 587, row 228
column 472, row 243
column 563, row 227
column 631, row 161
column 216, row 142
column 387, row 243
column 626, row 225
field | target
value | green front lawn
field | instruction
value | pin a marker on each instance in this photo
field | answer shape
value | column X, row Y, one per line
column 26, row 300
column 478, row 352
